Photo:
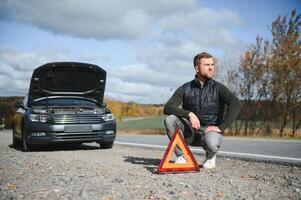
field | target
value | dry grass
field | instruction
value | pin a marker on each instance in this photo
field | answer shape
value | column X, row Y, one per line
column 287, row 133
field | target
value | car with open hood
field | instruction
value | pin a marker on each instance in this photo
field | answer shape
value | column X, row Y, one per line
column 65, row 104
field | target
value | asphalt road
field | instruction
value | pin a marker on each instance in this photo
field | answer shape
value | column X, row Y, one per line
column 276, row 150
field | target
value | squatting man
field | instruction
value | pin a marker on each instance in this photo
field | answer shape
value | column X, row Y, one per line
column 197, row 109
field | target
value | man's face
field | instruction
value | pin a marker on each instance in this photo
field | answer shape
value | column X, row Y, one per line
column 205, row 68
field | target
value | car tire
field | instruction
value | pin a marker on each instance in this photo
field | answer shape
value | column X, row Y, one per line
column 106, row 145
column 16, row 141
column 25, row 145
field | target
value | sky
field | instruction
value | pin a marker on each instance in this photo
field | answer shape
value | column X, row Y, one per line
column 146, row 47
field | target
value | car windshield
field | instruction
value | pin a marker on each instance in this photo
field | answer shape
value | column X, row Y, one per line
column 64, row 102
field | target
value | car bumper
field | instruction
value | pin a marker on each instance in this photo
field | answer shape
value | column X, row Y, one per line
column 43, row 133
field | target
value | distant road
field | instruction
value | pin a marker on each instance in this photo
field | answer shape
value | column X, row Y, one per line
column 283, row 151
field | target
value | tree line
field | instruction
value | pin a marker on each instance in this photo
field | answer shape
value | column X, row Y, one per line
column 268, row 81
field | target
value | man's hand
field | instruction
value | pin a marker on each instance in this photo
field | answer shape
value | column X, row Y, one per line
column 213, row 128
column 195, row 122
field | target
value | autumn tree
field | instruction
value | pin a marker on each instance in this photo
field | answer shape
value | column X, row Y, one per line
column 251, row 73
column 232, row 80
column 285, row 65
column 270, row 75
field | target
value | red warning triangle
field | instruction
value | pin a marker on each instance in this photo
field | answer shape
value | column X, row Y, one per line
column 165, row 165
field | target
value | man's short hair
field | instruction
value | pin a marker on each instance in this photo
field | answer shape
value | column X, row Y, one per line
column 198, row 57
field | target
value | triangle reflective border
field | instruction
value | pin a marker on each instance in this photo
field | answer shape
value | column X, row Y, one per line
column 167, row 167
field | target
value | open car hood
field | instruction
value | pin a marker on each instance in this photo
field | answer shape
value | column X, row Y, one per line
column 68, row 79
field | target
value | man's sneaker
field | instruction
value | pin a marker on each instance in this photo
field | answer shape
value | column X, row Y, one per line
column 181, row 160
column 209, row 162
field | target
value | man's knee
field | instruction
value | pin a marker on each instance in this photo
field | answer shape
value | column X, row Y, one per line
column 213, row 141
column 170, row 121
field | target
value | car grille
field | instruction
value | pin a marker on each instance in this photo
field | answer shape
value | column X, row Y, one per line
column 75, row 119
column 79, row 136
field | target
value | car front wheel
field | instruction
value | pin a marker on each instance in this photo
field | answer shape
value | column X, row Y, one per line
column 16, row 141
column 25, row 145
column 106, row 145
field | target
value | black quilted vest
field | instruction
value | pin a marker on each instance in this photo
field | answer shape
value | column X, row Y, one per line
column 204, row 101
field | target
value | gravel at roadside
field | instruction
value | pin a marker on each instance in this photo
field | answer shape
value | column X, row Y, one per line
column 86, row 172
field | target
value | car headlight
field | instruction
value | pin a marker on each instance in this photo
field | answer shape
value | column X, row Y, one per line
column 38, row 118
column 108, row 117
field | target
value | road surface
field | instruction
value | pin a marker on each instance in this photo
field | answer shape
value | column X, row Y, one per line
column 277, row 150
column 73, row 171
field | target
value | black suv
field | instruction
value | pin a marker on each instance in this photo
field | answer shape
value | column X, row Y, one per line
column 64, row 104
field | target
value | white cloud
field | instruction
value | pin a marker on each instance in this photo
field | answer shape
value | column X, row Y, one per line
column 89, row 19
column 141, row 74
column 16, row 68
column 167, row 34
column 185, row 34
column 107, row 19
column 137, row 89
column 92, row 19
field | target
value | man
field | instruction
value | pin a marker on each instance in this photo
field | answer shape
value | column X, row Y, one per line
column 201, row 116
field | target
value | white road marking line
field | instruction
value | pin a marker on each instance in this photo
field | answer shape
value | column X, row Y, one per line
column 220, row 152
column 142, row 145
column 262, row 139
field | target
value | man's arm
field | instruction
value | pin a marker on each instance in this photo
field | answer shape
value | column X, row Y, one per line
column 172, row 108
column 172, row 105
column 233, row 104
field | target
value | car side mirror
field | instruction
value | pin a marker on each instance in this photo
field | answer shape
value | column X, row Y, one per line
column 19, row 104
column 103, row 105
